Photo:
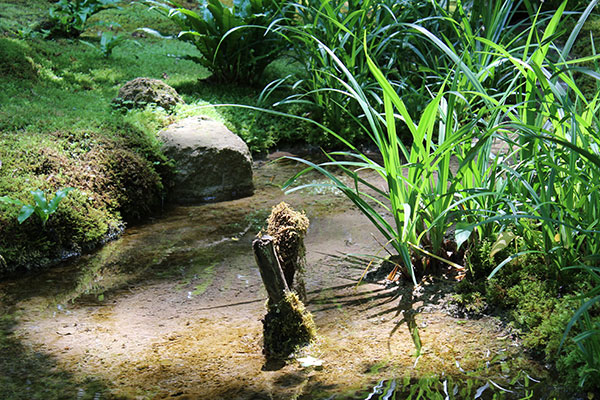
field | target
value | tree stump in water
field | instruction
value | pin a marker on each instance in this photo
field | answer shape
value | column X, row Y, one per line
column 288, row 228
column 270, row 269
column 287, row 325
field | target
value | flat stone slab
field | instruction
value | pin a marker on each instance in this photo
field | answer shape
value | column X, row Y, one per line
column 212, row 163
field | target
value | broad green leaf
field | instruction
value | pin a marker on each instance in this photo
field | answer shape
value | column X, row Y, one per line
column 502, row 242
column 462, row 233
column 25, row 213
column 40, row 198
column 60, row 195
column 8, row 200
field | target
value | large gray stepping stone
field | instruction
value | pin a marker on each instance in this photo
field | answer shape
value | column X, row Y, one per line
column 212, row 164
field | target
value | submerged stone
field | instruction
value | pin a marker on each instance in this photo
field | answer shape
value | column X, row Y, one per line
column 212, row 164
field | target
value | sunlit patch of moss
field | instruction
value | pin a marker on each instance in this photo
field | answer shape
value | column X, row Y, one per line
column 149, row 119
column 129, row 17
column 288, row 227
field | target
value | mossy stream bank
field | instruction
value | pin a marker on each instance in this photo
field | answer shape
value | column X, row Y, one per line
column 173, row 310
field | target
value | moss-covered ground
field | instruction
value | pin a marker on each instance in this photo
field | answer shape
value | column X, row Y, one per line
column 58, row 129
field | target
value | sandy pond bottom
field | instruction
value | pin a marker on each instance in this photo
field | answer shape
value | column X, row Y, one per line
column 173, row 310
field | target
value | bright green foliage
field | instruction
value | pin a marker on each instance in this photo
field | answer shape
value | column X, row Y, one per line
column 339, row 26
column 490, row 88
column 108, row 41
column 41, row 206
column 236, row 43
column 421, row 187
column 69, row 17
column 552, row 170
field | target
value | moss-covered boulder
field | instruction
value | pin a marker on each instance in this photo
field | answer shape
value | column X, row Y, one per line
column 113, row 184
column 140, row 92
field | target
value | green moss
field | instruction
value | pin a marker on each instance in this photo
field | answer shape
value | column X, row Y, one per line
column 19, row 14
column 14, row 61
column 112, row 179
column 287, row 326
column 537, row 299
column 472, row 302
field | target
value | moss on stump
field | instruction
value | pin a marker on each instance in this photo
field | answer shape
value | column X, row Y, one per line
column 288, row 228
column 287, row 326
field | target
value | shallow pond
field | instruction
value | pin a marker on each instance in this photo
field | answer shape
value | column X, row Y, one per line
column 173, row 310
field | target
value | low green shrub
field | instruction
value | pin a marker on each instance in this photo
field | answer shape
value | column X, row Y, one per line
column 235, row 42
column 68, row 18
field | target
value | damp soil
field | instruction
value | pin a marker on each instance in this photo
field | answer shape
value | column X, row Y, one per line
column 173, row 310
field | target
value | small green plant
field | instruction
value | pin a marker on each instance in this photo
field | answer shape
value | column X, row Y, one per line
column 236, row 43
column 41, row 206
column 68, row 18
column 108, row 41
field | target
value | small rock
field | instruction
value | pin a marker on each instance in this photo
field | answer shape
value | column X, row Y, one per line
column 310, row 361
column 142, row 91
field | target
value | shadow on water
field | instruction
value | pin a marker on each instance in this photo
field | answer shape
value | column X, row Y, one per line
column 29, row 374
